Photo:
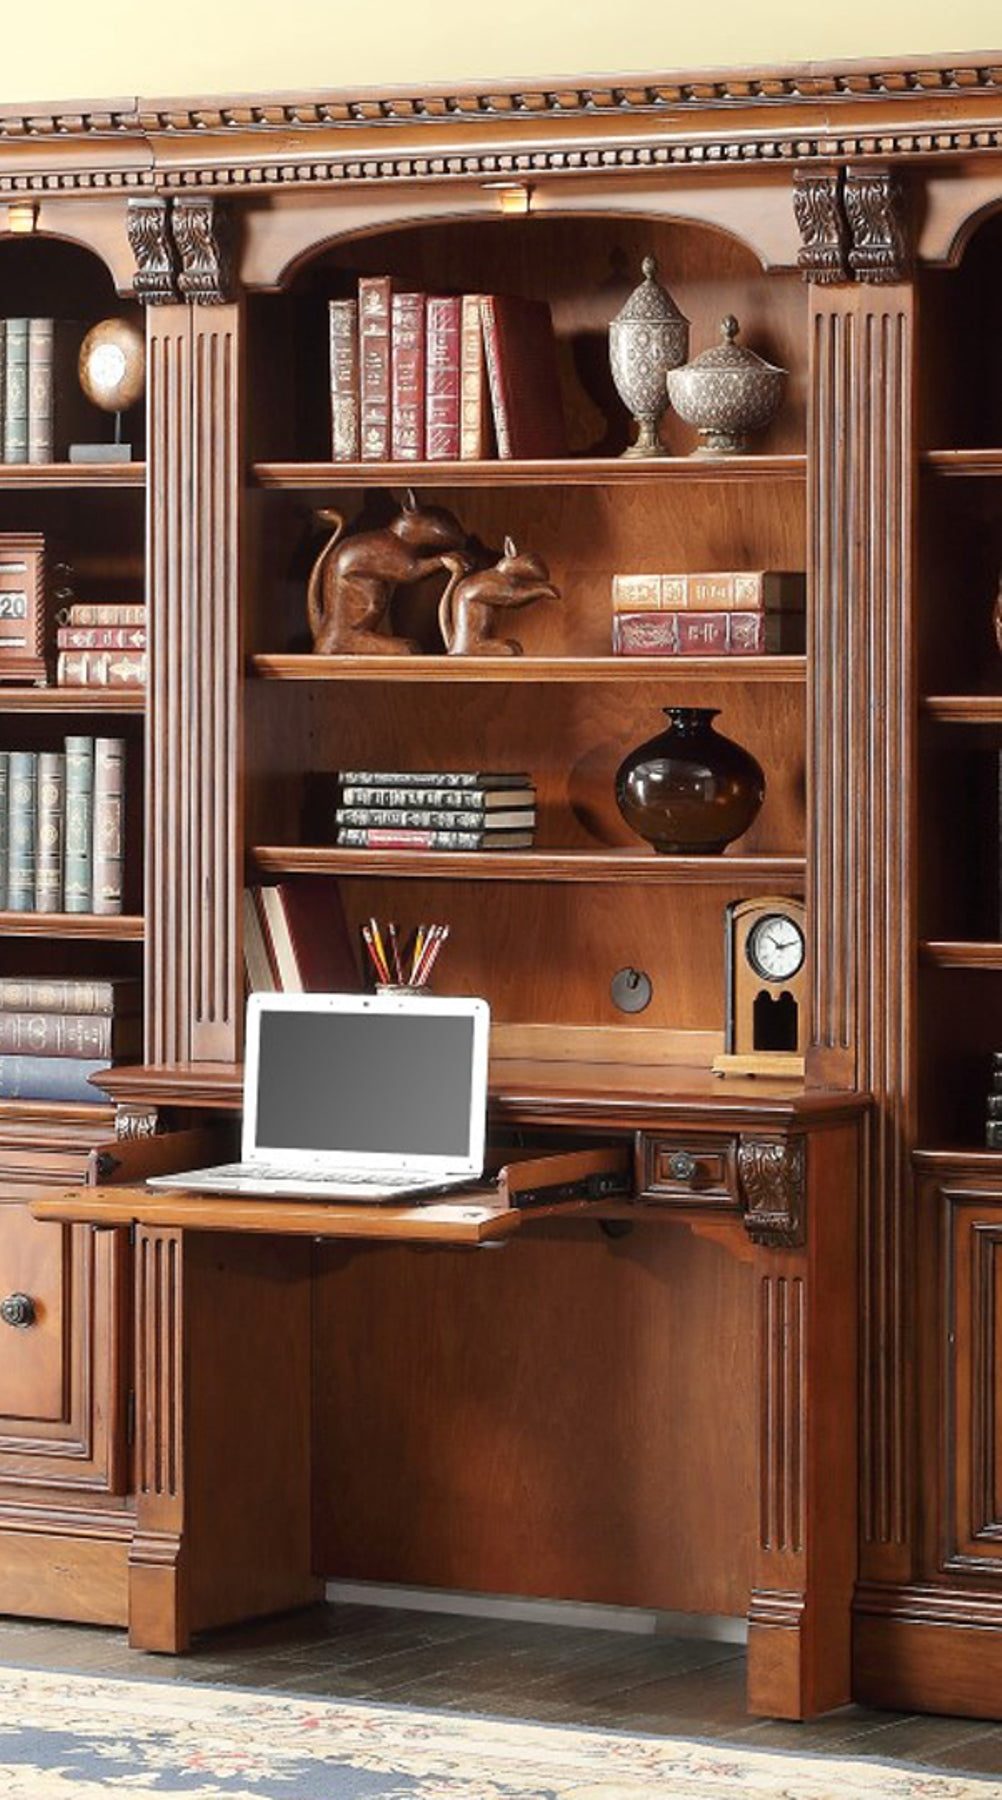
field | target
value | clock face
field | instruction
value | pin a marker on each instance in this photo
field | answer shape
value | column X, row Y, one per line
column 775, row 947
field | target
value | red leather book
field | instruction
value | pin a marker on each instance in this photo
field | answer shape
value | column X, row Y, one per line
column 702, row 633
column 521, row 354
column 684, row 633
column 374, row 295
column 101, row 637
column 442, row 416
column 307, row 937
column 407, row 377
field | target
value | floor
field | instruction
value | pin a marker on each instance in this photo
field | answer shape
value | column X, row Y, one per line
column 559, row 1674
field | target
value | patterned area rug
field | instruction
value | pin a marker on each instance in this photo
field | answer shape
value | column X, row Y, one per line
column 73, row 1738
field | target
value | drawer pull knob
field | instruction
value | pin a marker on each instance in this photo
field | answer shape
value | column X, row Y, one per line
column 18, row 1310
column 682, row 1166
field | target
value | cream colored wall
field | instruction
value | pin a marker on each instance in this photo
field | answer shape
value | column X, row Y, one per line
column 103, row 48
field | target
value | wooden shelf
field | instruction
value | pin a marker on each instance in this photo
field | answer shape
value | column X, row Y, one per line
column 963, row 462
column 960, row 954
column 581, row 471
column 72, row 700
column 963, row 709
column 73, row 475
column 530, row 668
column 544, row 1091
column 534, row 865
column 119, row 926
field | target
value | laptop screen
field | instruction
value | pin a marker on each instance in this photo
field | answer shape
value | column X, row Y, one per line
column 370, row 1080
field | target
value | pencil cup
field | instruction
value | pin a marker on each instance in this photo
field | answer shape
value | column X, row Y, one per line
column 395, row 987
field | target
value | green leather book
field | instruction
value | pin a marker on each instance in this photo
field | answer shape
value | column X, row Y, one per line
column 21, row 832
column 15, row 424
column 109, row 824
column 79, row 854
column 50, row 831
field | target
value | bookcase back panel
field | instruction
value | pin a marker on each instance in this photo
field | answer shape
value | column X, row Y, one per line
column 494, row 1445
column 960, row 885
column 584, row 267
column 547, row 952
column 961, row 364
column 960, row 1029
column 959, row 572
column 569, row 739
column 102, row 546
column 585, row 535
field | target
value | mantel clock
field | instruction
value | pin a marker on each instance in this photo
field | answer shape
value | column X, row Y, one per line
column 765, row 948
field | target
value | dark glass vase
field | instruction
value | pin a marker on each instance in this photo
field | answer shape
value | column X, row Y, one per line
column 689, row 791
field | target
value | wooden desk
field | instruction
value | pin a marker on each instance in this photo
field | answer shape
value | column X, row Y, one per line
column 756, row 1436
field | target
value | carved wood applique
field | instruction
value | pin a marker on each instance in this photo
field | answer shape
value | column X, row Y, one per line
column 202, row 236
column 852, row 225
column 153, row 248
column 773, row 1179
column 874, row 204
column 824, row 228
column 183, row 250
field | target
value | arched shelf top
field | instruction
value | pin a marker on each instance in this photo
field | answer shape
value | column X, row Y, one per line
column 954, row 212
column 94, row 238
column 280, row 242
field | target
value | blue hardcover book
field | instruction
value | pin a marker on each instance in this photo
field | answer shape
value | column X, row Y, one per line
column 4, row 818
column 65, row 1078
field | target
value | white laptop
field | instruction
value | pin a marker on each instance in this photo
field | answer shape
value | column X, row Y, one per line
column 371, row 1097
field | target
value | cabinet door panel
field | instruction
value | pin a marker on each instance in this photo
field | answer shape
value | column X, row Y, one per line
column 62, row 1376
column 33, row 1266
column 973, row 1393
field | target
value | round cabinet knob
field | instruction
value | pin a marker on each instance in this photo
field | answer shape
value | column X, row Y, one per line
column 18, row 1310
column 682, row 1166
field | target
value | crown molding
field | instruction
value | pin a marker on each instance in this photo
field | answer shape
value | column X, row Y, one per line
column 968, row 73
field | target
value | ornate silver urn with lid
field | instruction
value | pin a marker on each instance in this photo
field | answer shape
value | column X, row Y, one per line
column 726, row 392
column 646, row 339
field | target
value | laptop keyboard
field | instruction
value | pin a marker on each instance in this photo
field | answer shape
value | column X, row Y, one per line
column 257, row 1171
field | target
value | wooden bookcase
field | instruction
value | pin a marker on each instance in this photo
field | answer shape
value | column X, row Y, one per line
column 766, row 1389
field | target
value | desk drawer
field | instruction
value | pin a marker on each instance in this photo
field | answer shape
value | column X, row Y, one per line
column 687, row 1169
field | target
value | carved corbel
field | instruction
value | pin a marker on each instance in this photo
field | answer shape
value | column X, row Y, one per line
column 773, row 1179
column 136, row 1121
column 202, row 230
column 153, row 248
column 824, row 228
column 875, row 209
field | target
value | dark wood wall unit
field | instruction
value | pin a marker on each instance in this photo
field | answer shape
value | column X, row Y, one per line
column 778, row 1383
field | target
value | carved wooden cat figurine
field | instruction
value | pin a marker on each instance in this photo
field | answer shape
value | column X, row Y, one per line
column 353, row 580
column 467, row 608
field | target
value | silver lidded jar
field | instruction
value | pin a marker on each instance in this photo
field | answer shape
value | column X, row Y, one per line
column 647, row 337
column 726, row 393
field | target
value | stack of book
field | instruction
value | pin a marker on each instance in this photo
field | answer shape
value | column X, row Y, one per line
column 54, row 1035
column 745, row 612
column 61, row 827
column 101, row 645
column 442, row 377
column 436, row 810
column 296, row 939
column 40, row 396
